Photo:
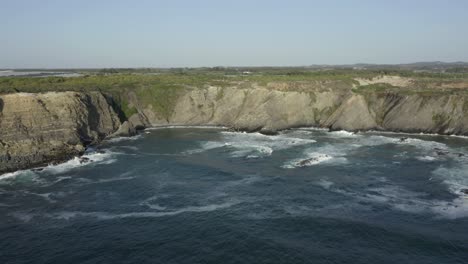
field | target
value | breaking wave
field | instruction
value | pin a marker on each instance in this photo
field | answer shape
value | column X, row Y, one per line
column 92, row 158
column 120, row 139
column 251, row 145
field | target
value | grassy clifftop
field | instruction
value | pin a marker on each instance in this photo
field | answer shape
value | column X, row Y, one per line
column 161, row 89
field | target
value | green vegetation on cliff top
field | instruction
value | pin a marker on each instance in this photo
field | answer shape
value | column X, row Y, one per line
column 161, row 89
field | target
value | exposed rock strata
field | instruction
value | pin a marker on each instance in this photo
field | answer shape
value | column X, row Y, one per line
column 41, row 128
column 268, row 110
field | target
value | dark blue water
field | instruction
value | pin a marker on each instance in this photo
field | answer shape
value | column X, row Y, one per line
column 191, row 195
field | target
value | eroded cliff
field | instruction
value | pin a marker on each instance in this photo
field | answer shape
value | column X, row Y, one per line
column 40, row 128
column 46, row 127
column 268, row 110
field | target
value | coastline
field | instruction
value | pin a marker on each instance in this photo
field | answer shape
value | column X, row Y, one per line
column 97, row 149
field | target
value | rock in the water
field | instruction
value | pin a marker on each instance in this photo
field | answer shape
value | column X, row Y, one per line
column 440, row 152
column 125, row 130
column 464, row 191
column 312, row 161
column 84, row 160
column 306, row 162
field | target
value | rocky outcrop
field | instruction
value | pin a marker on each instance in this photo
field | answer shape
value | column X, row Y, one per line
column 40, row 128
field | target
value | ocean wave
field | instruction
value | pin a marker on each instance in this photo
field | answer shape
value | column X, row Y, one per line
column 408, row 201
column 247, row 150
column 28, row 175
column 185, row 126
column 426, row 158
column 69, row 215
column 76, row 162
column 90, row 158
column 207, row 145
column 420, row 143
column 120, row 139
column 45, row 196
column 12, row 174
column 251, row 145
column 321, row 129
column 456, row 178
column 325, row 184
column 343, row 133
column 377, row 140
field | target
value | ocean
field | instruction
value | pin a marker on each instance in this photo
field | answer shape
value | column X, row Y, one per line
column 208, row 195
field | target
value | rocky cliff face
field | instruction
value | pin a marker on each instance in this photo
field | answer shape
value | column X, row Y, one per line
column 41, row 128
column 269, row 110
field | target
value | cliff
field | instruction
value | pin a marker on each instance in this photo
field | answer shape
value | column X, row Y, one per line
column 40, row 128
column 266, row 109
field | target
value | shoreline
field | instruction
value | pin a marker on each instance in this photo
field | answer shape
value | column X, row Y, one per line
column 61, row 161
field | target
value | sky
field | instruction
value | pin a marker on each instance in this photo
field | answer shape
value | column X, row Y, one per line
column 194, row 33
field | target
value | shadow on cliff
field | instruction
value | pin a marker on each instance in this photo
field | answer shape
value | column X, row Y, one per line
column 116, row 107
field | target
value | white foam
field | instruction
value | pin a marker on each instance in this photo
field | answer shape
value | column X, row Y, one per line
column 245, row 150
column 109, row 216
column 126, row 176
column 426, row 158
column 251, row 145
column 207, row 145
column 343, row 133
column 423, row 144
column 120, row 139
column 325, row 184
column 94, row 159
column 456, row 178
column 45, row 196
column 147, row 203
column 458, row 208
column 185, row 126
column 11, row 174
column 411, row 202
column 321, row 129
column 359, row 140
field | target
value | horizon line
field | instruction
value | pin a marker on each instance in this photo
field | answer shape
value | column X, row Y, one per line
column 238, row 66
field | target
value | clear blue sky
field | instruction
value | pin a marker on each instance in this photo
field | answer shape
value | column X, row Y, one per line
column 173, row 33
